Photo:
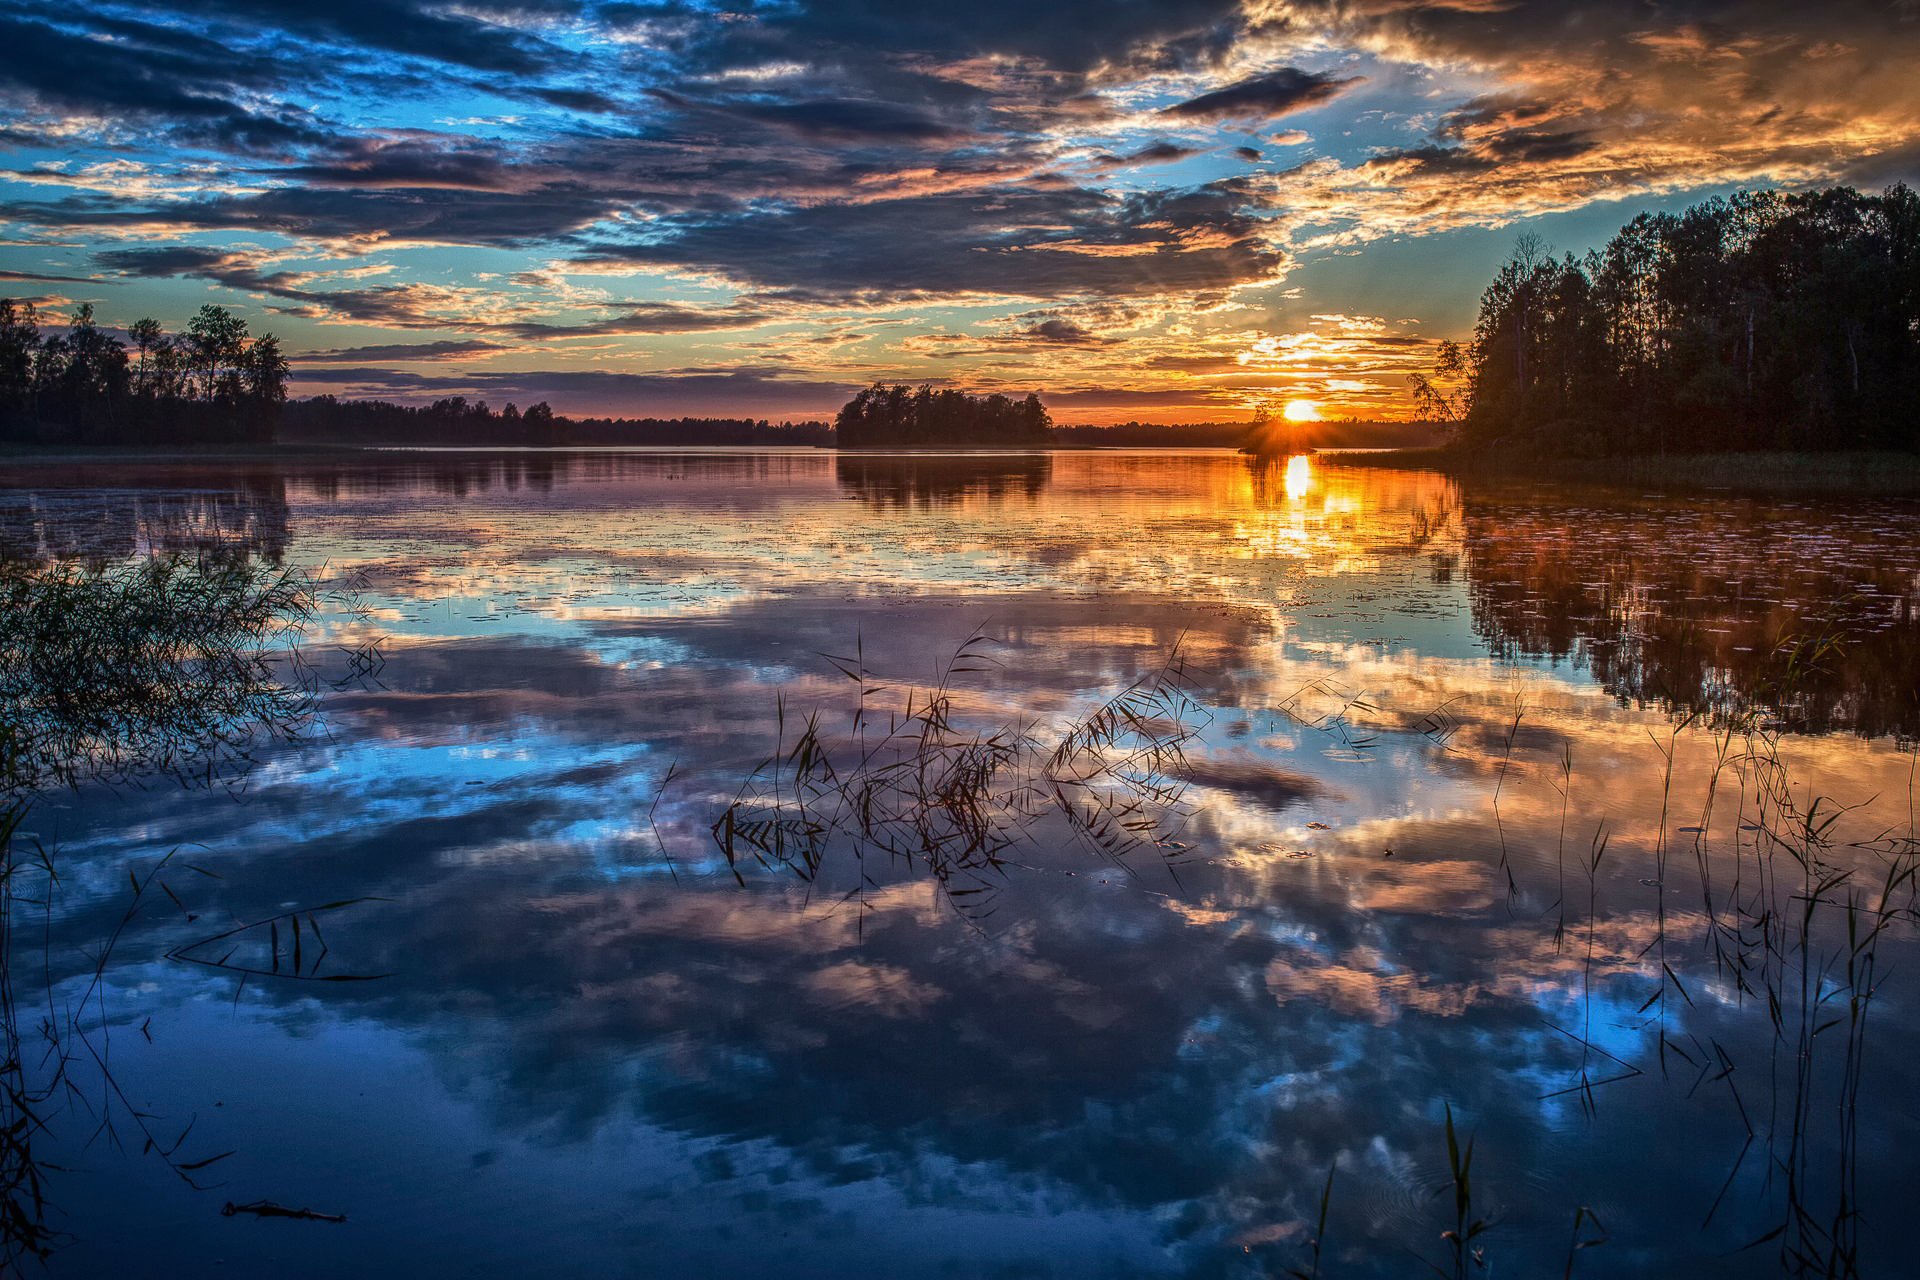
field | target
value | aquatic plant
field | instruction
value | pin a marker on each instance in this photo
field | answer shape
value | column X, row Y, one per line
column 917, row 783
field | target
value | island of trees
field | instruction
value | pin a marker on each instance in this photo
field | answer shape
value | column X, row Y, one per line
column 212, row 382
column 1760, row 321
column 903, row 417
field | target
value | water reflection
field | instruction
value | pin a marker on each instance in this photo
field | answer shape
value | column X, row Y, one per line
column 231, row 514
column 155, row 666
column 1716, row 607
column 932, row 480
column 1406, row 870
column 1299, row 476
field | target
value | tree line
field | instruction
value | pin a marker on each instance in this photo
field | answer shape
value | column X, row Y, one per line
column 457, row 420
column 900, row 416
column 1757, row 321
column 212, row 381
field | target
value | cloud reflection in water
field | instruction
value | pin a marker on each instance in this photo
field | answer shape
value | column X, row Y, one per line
column 1139, row 1069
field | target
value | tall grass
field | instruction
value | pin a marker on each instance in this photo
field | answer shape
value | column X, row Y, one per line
column 173, row 666
column 917, row 784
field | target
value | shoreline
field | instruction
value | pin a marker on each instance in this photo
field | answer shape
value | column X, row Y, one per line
column 80, row 455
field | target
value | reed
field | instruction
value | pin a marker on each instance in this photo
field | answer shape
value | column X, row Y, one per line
column 915, row 785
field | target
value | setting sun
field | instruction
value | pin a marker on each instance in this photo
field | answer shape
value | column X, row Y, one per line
column 1301, row 411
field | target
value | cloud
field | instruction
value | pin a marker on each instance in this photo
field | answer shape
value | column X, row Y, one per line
column 1155, row 153
column 43, row 275
column 1262, row 783
column 839, row 119
column 152, row 73
column 458, row 349
column 419, row 30
column 419, row 305
column 1013, row 244
column 1064, row 333
column 1263, row 97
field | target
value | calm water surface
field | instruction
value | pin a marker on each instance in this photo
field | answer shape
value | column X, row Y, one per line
column 1488, row 800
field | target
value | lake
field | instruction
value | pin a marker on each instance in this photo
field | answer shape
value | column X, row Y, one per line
column 800, row 864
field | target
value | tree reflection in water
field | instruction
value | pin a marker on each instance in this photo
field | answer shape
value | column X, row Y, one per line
column 1706, row 608
column 935, row 480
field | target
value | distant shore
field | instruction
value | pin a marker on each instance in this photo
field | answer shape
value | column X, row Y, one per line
column 1859, row 472
column 306, row 451
column 72, row 455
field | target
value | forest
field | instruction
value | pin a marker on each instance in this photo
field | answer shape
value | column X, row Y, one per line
column 214, row 381
column 1758, row 321
column 456, row 420
column 900, row 416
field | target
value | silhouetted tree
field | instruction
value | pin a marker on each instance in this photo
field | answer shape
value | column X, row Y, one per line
column 213, row 382
column 899, row 416
column 1762, row 320
column 19, row 345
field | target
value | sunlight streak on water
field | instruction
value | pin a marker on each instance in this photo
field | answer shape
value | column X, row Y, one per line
column 1299, row 476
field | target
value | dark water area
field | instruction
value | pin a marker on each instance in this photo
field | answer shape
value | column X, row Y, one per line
column 789, row 863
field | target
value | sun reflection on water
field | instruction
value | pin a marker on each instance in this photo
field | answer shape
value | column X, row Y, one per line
column 1299, row 476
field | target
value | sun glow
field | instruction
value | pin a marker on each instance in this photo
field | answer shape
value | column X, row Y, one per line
column 1299, row 476
column 1301, row 411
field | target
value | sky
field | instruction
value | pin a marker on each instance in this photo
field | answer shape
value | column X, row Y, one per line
column 1173, row 211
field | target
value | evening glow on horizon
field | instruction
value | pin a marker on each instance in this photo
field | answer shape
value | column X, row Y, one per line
column 1162, row 212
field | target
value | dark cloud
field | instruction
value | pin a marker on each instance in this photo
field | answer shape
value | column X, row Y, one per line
column 399, row 26
column 451, row 350
column 1263, row 97
column 1493, row 111
column 1155, row 153
column 844, row 119
column 407, row 164
column 1038, row 244
column 43, row 275
column 534, row 215
column 1519, row 147
column 151, row 73
column 1259, row 781
column 1530, row 146
column 577, row 99
column 652, row 317
column 1432, row 158
column 1065, row 333
column 1076, row 37
column 410, row 305
column 158, row 261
